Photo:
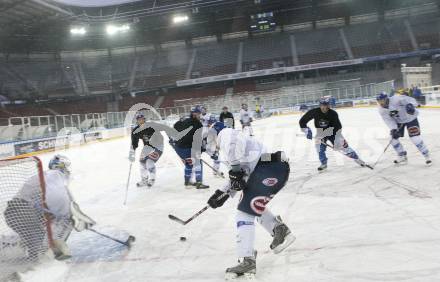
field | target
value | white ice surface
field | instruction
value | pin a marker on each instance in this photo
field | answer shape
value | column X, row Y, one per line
column 351, row 223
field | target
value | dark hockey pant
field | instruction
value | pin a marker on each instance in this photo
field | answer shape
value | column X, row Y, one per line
column 263, row 184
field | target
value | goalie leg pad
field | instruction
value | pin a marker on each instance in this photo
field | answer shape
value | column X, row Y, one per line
column 61, row 250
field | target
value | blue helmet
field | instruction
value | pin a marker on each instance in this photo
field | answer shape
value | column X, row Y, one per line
column 140, row 115
column 212, row 120
column 324, row 101
column 196, row 110
column 382, row 96
column 218, row 126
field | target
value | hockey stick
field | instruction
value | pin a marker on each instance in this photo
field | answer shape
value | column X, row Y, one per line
column 383, row 153
column 128, row 183
column 330, row 146
column 185, row 222
column 221, row 174
column 386, row 148
column 127, row 243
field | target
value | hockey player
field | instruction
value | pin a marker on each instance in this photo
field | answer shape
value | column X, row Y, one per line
column 398, row 112
column 204, row 116
column 329, row 128
column 212, row 151
column 26, row 214
column 259, row 175
column 246, row 119
column 227, row 118
column 151, row 152
column 184, row 145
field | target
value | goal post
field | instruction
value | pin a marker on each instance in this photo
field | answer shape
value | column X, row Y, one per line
column 25, row 227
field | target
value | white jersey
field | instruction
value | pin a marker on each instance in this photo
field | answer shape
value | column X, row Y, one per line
column 57, row 196
column 245, row 116
column 204, row 119
column 239, row 149
column 398, row 103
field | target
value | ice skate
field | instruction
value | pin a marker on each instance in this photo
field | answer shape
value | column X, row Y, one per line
column 200, row 185
column 322, row 167
column 143, row 182
column 428, row 160
column 363, row 164
column 282, row 237
column 246, row 269
column 401, row 160
column 150, row 182
column 189, row 185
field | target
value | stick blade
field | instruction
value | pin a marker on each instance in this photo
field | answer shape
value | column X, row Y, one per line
column 131, row 239
column 176, row 219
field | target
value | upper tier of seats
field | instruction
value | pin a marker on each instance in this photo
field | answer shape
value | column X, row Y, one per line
column 100, row 73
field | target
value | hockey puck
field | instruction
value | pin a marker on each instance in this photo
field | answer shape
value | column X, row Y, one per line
column 183, row 239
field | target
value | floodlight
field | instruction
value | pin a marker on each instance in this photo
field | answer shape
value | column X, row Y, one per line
column 180, row 19
column 78, row 31
column 113, row 29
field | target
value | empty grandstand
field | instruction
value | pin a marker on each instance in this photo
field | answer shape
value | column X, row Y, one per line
column 89, row 77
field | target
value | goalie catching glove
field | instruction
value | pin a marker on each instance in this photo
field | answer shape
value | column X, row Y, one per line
column 80, row 220
column 218, row 199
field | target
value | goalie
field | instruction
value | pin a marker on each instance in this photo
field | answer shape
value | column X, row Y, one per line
column 27, row 215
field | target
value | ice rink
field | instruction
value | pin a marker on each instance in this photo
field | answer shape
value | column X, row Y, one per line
column 351, row 223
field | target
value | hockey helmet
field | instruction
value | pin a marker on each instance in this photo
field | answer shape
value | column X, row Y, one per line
column 61, row 163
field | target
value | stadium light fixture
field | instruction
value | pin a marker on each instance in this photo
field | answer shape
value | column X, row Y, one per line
column 177, row 19
column 114, row 29
column 78, row 30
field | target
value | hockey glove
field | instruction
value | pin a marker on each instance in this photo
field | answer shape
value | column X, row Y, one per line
column 394, row 113
column 410, row 109
column 172, row 142
column 236, row 179
column 215, row 156
column 395, row 133
column 308, row 132
column 80, row 220
column 131, row 156
column 217, row 199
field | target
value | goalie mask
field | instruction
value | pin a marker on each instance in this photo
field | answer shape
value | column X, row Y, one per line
column 61, row 163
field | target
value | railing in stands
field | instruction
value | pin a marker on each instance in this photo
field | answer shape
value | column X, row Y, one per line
column 31, row 127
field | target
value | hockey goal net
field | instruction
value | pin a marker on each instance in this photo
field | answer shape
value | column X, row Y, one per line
column 25, row 233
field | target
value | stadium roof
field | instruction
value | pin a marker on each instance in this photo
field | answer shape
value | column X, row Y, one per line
column 28, row 12
column 94, row 3
column 44, row 25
